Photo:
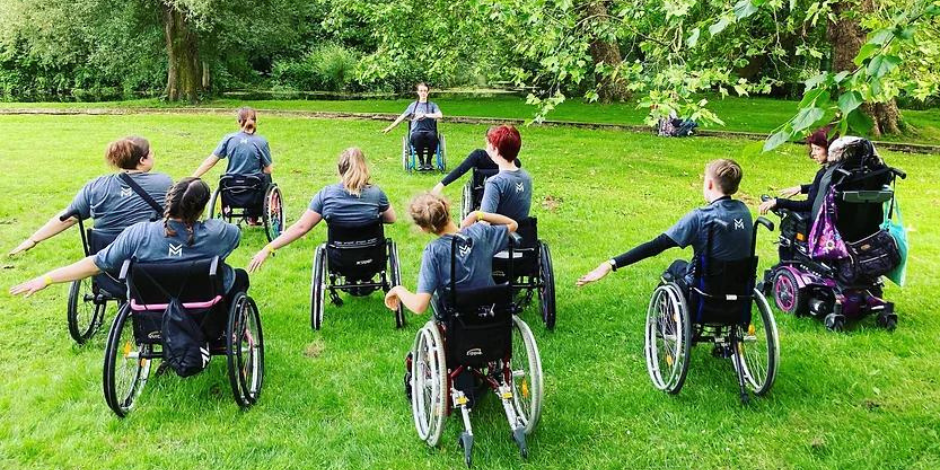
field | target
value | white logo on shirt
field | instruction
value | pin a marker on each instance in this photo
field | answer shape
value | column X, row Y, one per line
column 243, row 141
column 739, row 224
column 464, row 250
column 520, row 187
column 125, row 192
column 176, row 250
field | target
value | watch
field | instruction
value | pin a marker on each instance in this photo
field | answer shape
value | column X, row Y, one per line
column 613, row 264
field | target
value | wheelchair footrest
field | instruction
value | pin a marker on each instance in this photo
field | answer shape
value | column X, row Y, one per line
column 518, row 435
column 466, row 443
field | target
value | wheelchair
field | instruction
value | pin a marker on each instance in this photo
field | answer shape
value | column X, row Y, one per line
column 802, row 285
column 89, row 297
column 723, row 307
column 241, row 197
column 533, row 273
column 474, row 332
column 472, row 196
column 357, row 260
column 136, row 339
column 409, row 157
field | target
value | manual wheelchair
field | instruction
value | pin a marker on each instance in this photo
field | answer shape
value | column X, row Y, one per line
column 358, row 260
column 241, row 197
column 718, row 308
column 136, row 336
column 472, row 196
column 474, row 332
column 409, row 157
column 532, row 271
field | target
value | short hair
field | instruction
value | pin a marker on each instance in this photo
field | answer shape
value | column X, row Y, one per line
column 126, row 153
column 506, row 139
column 726, row 174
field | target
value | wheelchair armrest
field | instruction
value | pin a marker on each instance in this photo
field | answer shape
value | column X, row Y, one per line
column 125, row 269
column 69, row 214
column 515, row 239
column 765, row 222
column 899, row 172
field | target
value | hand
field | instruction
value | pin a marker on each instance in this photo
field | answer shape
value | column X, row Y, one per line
column 438, row 188
column 596, row 275
column 391, row 299
column 29, row 287
column 27, row 245
column 791, row 191
column 420, row 116
column 259, row 259
column 767, row 206
column 385, row 131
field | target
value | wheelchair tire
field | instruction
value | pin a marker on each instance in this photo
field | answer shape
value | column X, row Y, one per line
column 406, row 154
column 788, row 296
column 84, row 316
column 441, row 153
column 667, row 318
column 125, row 372
column 526, row 373
column 429, row 385
column 394, row 267
column 318, row 287
column 759, row 347
column 466, row 203
column 216, row 209
column 273, row 212
column 245, row 350
column 546, row 286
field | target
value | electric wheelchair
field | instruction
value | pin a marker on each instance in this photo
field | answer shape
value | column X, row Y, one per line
column 722, row 306
column 474, row 335
column 358, row 260
column 136, row 337
column 241, row 198
column 409, row 157
column 839, row 290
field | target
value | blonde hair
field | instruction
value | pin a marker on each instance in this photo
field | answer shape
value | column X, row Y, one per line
column 430, row 211
column 726, row 174
column 353, row 170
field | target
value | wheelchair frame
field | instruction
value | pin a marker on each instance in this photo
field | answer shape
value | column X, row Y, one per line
column 272, row 210
column 409, row 158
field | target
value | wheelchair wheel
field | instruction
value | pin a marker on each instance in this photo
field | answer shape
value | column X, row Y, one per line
column 546, row 286
column 245, row 350
column 759, row 347
column 406, row 154
column 84, row 316
column 787, row 294
column 216, row 208
column 273, row 212
column 429, row 390
column 526, row 375
column 668, row 338
column 395, row 280
column 441, row 153
column 466, row 203
column 318, row 288
column 126, row 364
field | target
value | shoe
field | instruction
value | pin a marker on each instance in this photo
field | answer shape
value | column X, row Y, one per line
column 253, row 222
column 408, row 376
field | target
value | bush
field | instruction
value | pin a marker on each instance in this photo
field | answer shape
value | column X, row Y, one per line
column 330, row 67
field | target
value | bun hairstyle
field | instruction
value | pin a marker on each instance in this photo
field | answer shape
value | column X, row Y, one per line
column 430, row 212
column 353, row 170
column 185, row 201
column 726, row 174
column 248, row 119
column 126, row 153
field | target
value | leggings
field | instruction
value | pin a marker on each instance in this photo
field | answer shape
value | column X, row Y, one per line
column 425, row 145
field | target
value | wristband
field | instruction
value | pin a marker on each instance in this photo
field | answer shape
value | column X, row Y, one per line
column 269, row 249
column 613, row 264
column 480, row 215
column 47, row 280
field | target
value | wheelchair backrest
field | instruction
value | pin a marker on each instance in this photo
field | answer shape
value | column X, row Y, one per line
column 98, row 240
column 195, row 283
column 722, row 291
column 356, row 251
column 479, row 324
column 860, row 197
column 480, row 176
column 241, row 183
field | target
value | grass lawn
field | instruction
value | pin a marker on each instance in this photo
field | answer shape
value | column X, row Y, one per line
column 333, row 399
column 761, row 115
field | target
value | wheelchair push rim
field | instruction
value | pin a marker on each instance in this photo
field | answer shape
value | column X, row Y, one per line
column 525, row 372
column 273, row 213
column 441, row 154
column 217, row 208
column 546, row 286
column 318, row 287
column 126, row 365
column 429, row 391
column 668, row 338
column 758, row 346
column 395, row 280
column 84, row 315
column 245, row 350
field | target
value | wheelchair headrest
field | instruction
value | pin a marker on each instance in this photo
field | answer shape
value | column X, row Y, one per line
column 189, row 281
column 854, row 152
column 352, row 236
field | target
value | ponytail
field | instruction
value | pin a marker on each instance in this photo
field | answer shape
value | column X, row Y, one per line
column 248, row 120
column 353, row 170
column 185, row 202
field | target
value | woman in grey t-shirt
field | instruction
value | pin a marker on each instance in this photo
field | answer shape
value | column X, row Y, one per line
column 248, row 153
column 424, row 115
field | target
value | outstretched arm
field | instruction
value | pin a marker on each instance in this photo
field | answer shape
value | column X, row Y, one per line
column 52, row 228
column 300, row 228
column 206, row 165
column 492, row 218
column 73, row 272
column 395, row 124
column 637, row 254
column 417, row 303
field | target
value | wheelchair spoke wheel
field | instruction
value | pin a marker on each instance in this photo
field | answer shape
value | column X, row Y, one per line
column 441, row 153
column 787, row 294
column 429, row 391
column 466, row 203
column 273, row 213
column 126, row 364
column 395, row 280
column 84, row 316
column 318, row 288
column 759, row 347
column 245, row 350
column 546, row 286
column 216, row 208
column 668, row 338
column 526, row 375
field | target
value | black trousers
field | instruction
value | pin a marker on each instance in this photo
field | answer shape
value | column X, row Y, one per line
column 676, row 272
column 425, row 145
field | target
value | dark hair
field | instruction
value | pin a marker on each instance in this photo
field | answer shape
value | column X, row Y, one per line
column 127, row 153
column 248, row 119
column 821, row 138
column 726, row 174
column 185, row 201
column 506, row 139
column 420, row 84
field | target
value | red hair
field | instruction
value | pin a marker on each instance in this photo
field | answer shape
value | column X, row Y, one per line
column 507, row 141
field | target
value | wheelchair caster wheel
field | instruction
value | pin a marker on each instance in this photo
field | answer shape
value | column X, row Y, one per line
column 835, row 322
column 745, row 399
column 466, row 442
column 518, row 435
column 888, row 321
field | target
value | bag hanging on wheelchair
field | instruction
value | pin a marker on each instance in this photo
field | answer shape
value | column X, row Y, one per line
column 897, row 231
column 825, row 242
column 185, row 348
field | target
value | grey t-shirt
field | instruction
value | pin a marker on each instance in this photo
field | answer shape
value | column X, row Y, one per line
column 426, row 124
column 147, row 242
column 474, row 259
column 336, row 205
column 508, row 193
column 729, row 244
column 114, row 205
column 247, row 154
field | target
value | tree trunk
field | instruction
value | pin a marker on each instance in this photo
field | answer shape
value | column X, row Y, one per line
column 605, row 51
column 184, row 70
column 847, row 37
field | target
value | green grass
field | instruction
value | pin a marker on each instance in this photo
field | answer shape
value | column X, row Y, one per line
column 761, row 115
column 333, row 399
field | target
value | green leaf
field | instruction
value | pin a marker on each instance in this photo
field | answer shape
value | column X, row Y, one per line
column 882, row 64
column 905, row 33
column 840, row 76
column 816, row 81
column 719, row 26
column 865, row 52
column 744, row 9
column 806, row 118
column 777, row 140
column 849, row 101
column 859, row 122
column 693, row 38
column 740, row 90
column 881, row 37
column 817, row 97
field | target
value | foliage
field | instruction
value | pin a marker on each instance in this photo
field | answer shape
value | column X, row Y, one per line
column 330, row 67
